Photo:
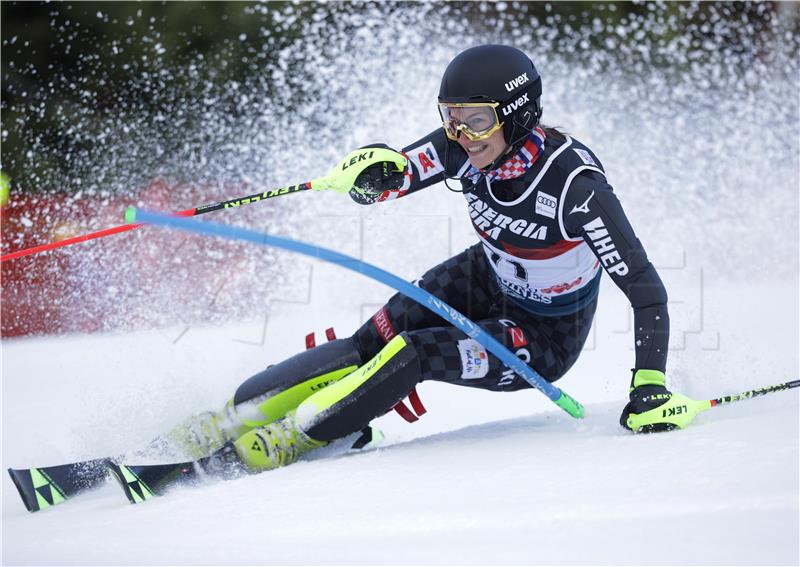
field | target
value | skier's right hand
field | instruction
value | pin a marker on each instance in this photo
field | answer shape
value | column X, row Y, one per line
column 376, row 179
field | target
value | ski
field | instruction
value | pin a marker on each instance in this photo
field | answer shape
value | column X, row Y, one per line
column 44, row 487
column 143, row 482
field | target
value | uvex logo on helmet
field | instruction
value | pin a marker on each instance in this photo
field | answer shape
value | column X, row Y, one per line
column 518, row 82
column 509, row 108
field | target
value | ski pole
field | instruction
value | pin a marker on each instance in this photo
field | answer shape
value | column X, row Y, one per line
column 753, row 393
column 683, row 410
column 185, row 213
column 340, row 179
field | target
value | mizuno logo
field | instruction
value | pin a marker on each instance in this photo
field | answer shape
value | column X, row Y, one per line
column 519, row 81
column 583, row 208
column 508, row 109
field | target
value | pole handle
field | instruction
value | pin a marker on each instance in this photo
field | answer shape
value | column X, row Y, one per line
column 342, row 177
column 680, row 411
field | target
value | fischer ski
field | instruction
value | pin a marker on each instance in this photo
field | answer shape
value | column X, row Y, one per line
column 143, row 482
column 44, row 487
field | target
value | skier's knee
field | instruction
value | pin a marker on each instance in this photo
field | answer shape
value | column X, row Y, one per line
column 273, row 392
column 351, row 403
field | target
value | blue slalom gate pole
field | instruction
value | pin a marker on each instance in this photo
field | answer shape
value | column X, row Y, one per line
column 559, row 397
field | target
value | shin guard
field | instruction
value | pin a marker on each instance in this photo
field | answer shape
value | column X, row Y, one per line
column 351, row 403
column 272, row 393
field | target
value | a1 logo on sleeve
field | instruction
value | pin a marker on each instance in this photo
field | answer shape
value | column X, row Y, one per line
column 426, row 160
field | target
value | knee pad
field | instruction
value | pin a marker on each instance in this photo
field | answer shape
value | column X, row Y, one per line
column 351, row 403
column 270, row 394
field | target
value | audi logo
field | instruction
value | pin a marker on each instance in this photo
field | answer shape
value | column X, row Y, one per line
column 545, row 201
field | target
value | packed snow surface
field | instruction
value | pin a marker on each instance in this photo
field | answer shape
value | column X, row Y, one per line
column 700, row 142
column 483, row 477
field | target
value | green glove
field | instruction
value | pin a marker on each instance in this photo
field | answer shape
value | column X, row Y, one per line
column 376, row 179
column 342, row 178
column 653, row 408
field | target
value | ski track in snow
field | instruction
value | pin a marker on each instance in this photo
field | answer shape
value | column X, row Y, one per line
column 483, row 477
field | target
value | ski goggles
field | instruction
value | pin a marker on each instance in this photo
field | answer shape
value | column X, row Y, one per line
column 477, row 120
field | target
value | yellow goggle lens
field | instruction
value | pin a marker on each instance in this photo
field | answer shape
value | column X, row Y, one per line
column 477, row 121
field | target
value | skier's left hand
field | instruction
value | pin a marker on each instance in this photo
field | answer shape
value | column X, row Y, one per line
column 653, row 408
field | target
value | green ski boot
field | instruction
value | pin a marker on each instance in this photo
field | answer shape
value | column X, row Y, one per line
column 201, row 434
column 274, row 445
column 198, row 435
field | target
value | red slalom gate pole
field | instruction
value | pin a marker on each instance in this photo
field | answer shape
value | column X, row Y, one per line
column 255, row 198
column 81, row 238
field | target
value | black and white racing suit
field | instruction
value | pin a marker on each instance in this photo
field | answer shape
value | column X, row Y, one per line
column 545, row 231
column 532, row 280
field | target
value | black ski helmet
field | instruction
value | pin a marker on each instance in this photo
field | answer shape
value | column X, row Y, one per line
column 502, row 74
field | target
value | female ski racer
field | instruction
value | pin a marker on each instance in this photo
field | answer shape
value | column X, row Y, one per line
column 548, row 224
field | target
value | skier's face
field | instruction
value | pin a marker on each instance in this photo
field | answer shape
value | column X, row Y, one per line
column 483, row 152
